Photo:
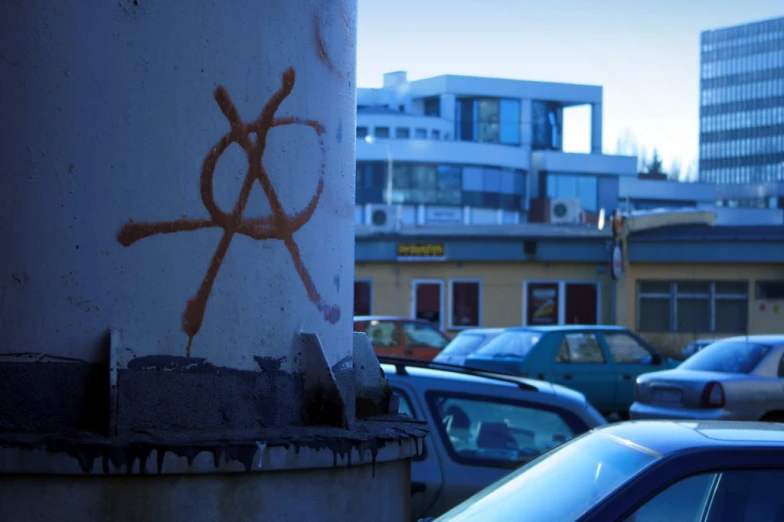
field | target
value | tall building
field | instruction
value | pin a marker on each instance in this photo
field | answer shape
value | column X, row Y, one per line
column 476, row 151
column 742, row 111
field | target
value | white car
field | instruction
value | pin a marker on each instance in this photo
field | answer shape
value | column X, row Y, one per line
column 739, row 378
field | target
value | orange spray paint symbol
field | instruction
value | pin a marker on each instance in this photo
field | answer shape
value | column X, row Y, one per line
column 278, row 225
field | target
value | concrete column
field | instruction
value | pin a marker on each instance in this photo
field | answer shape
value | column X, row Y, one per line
column 178, row 221
column 596, row 128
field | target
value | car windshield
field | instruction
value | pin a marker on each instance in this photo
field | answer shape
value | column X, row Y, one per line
column 510, row 343
column 560, row 485
column 727, row 357
column 464, row 344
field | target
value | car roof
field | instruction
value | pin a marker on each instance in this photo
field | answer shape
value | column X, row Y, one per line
column 762, row 339
column 568, row 328
column 667, row 437
column 421, row 370
column 480, row 331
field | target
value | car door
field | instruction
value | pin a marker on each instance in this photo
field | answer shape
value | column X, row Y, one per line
column 581, row 364
column 629, row 357
column 422, row 341
column 426, row 480
column 484, row 432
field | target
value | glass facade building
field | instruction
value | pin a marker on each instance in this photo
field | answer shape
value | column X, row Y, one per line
column 742, row 104
column 441, row 184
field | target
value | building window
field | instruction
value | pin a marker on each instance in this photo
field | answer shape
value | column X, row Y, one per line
column 382, row 132
column 363, row 297
column 568, row 186
column 402, row 133
column 362, row 132
column 429, row 301
column 466, row 309
column 433, row 106
column 420, row 134
column 560, row 302
column 769, row 290
column 692, row 306
column 488, row 120
column 435, row 134
column 547, row 125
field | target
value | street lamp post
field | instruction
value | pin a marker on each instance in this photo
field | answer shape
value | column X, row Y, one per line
column 371, row 140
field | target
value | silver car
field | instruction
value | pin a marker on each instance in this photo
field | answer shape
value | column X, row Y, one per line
column 482, row 426
column 739, row 378
column 466, row 343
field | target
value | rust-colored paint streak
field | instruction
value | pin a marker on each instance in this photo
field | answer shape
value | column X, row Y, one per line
column 279, row 225
column 321, row 44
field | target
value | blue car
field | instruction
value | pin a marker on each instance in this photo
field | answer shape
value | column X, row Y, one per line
column 602, row 362
column 645, row 471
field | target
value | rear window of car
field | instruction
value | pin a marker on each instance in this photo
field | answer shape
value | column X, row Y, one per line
column 727, row 357
column 464, row 344
column 516, row 344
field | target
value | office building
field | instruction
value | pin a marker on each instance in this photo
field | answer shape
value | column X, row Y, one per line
column 742, row 112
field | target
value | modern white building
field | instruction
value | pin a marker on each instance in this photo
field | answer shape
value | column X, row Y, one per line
column 470, row 150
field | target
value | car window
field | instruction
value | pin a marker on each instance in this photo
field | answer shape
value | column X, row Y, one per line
column 748, row 495
column 684, row 501
column 406, row 408
column 510, row 343
column 560, row 486
column 418, row 334
column 579, row 348
column 382, row 333
column 727, row 357
column 626, row 349
column 464, row 344
column 485, row 431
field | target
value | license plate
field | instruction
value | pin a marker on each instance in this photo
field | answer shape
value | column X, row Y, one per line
column 664, row 395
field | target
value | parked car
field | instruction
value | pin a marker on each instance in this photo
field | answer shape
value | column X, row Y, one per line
column 465, row 343
column 482, row 426
column 402, row 336
column 740, row 378
column 648, row 471
column 600, row 361
column 695, row 346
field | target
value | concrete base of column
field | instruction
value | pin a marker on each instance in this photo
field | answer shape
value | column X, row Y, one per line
column 344, row 493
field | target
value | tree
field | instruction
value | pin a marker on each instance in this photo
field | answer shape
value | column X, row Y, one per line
column 675, row 172
column 655, row 165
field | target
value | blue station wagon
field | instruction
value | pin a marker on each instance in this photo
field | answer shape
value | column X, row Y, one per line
column 602, row 362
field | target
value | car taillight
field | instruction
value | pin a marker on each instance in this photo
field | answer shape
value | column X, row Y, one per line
column 712, row 396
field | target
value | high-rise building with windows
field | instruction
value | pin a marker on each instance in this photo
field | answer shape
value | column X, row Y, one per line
column 742, row 107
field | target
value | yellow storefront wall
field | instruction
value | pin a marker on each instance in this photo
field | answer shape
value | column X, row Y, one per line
column 501, row 285
column 764, row 316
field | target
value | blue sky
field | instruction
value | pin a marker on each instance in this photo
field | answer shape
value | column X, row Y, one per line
column 645, row 54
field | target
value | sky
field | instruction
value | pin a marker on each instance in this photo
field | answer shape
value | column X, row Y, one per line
column 644, row 53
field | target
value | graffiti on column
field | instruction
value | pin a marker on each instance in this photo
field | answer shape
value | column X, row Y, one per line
column 321, row 21
column 279, row 225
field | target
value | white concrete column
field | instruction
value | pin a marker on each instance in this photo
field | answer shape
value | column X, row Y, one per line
column 596, row 128
column 181, row 172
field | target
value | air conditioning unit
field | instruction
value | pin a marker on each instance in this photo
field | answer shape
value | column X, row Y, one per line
column 565, row 211
column 383, row 218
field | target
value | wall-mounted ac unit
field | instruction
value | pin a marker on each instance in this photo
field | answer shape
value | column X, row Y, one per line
column 565, row 211
column 383, row 218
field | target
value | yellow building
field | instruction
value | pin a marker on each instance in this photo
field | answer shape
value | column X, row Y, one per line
column 679, row 282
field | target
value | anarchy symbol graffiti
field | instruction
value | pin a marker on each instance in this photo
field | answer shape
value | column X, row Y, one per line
column 278, row 225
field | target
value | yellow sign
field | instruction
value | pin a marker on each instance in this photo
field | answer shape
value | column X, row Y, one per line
column 421, row 250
